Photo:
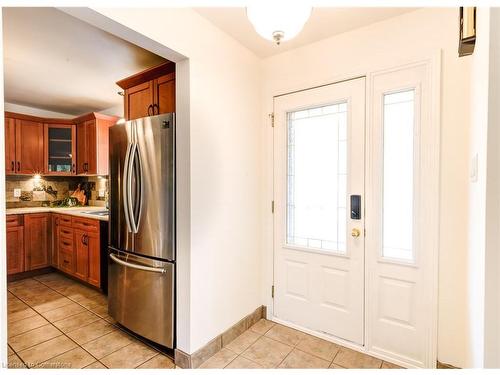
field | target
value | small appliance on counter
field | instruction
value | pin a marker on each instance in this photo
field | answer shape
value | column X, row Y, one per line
column 141, row 263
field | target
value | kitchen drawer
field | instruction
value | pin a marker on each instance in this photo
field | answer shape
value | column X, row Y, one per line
column 65, row 220
column 66, row 244
column 66, row 232
column 14, row 221
column 88, row 225
column 66, row 262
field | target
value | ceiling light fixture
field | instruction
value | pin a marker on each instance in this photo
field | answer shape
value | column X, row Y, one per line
column 276, row 23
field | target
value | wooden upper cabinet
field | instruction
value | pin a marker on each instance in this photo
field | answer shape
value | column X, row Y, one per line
column 60, row 149
column 29, row 147
column 165, row 94
column 92, row 145
column 10, row 145
column 36, row 241
column 139, row 100
column 150, row 92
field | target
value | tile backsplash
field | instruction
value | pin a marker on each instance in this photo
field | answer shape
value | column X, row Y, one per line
column 43, row 190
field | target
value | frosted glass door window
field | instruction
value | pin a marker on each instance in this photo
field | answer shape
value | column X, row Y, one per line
column 317, row 178
column 398, row 125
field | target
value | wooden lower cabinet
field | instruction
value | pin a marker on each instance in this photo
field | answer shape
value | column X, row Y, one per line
column 94, row 248
column 82, row 254
column 36, row 241
column 69, row 243
column 15, row 250
column 80, row 249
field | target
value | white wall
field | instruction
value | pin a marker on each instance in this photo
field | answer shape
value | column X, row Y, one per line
column 225, row 188
column 411, row 36
column 18, row 108
column 477, row 192
column 484, row 196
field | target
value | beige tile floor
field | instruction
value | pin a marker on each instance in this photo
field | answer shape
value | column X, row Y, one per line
column 270, row 345
column 55, row 322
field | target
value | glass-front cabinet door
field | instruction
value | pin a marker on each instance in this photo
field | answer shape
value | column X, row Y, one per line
column 60, row 149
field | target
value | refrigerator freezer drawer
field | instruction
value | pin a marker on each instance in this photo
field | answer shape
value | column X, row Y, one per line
column 141, row 296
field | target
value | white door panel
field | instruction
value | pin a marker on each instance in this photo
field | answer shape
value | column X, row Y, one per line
column 319, row 163
column 401, row 223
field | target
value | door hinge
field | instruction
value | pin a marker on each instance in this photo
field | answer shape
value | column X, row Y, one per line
column 272, row 291
column 272, row 207
column 271, row 116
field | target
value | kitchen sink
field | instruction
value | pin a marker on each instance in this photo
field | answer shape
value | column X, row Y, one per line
column 96, row 213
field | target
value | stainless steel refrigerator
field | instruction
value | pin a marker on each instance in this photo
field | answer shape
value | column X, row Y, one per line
column 141, row 263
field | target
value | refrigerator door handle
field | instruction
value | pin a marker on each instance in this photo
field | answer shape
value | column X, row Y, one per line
column 128, row 197
column 126, row 174
column 137, row 208
column 137, row 266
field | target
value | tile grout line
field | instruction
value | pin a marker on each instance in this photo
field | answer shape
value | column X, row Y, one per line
column 89, row 310
column 63, row 333
column 113, row 324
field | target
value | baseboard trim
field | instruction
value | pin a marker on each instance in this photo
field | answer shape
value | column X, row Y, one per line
column 443, row 366
column 187, row 361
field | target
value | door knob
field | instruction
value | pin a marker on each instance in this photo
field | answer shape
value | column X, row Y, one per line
column 355, row 232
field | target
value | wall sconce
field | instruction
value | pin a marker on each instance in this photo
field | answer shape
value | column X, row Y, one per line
column 467, row 35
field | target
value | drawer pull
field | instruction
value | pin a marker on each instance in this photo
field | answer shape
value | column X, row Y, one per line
column 66, row 243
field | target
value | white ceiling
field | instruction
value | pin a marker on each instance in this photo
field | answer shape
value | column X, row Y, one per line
column 56, row 62
column 324, row 22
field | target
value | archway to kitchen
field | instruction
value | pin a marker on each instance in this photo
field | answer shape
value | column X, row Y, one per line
column 182, row 149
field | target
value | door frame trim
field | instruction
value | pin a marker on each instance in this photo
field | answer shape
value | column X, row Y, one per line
column 433, row 60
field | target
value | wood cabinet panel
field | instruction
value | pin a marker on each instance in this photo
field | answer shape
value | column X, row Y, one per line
column 10, row 146
column 93, row 145
column 164, row 94
column 14, row 221
column 66, row 262
column 54, row 248
column 94, row 254
column 15, row 250
column 36, row 241
column 65, row 220
column 139, row 100
column 81, row 148
column 29, row 147
column 81, row 254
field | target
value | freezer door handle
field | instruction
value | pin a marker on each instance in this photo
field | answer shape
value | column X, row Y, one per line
column 137, row 266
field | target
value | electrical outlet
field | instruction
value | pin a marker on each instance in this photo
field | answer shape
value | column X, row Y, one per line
column 102, row 193
column 17, row 193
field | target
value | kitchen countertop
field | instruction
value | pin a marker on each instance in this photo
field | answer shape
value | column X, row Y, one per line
column 74, row 211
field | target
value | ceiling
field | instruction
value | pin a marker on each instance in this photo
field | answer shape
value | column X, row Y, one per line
column 55, row 62
column 324, row 22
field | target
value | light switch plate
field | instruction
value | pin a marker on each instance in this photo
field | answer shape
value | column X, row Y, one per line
column 474, row 169
column 102, row 193
column 17, row 193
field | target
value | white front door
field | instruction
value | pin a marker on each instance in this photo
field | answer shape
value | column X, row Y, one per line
column 319, row 218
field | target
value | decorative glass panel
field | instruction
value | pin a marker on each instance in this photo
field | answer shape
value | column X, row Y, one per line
column 317, row 178
column 398, row 175
column 60, row 143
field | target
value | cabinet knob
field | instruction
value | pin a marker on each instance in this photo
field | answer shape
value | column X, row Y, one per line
column 151, row 110
column 18, row 166
column 12, row 166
